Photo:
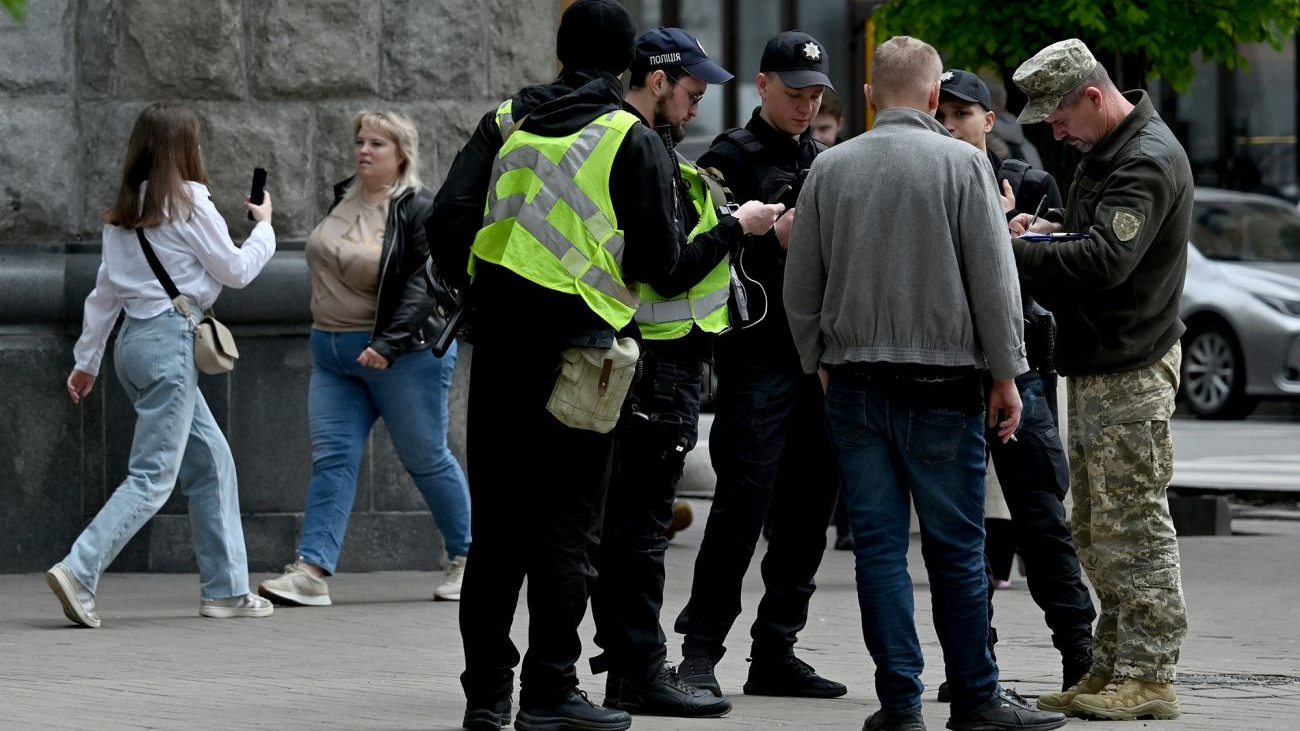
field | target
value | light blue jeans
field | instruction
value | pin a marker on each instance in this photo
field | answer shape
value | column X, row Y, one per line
column 175, row 436
column 344, row 401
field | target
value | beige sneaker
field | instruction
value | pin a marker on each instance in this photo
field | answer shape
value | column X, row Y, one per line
column 1060, row 702
column 1126, row 699
column 296, row 586
column 450, row 589
column 246, row 605
column 78, row 603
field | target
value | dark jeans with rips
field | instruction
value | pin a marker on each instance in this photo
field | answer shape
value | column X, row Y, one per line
column 770, row 450
column 650, row 451
column 1035, row 476
column 538, row 489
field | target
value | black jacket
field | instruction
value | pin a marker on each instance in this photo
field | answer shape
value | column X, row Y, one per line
column 509, row 307
column 404, row 319
column 758, row 175
column 1116, row 293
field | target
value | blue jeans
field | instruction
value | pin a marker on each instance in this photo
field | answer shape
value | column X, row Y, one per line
column 343, row 402
column 888, row 453
column 175, row 437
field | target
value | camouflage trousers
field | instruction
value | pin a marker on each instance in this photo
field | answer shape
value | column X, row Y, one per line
column 1121, row 460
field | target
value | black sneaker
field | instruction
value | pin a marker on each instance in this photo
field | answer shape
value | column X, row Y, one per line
column 1007, row 712
column 698, row 672
column 663, row 695
column 881, row 721
column 789, row 676
column 573, row 712
column 487, row 718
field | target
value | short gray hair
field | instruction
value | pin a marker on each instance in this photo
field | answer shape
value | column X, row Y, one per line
column 1098, row 78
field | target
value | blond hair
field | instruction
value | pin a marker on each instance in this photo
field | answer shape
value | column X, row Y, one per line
column 903, row 70
column 400, row 130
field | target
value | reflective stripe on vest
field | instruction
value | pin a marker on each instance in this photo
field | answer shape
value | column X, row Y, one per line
column 505, row 120
column 705, row 303
column 592, row 252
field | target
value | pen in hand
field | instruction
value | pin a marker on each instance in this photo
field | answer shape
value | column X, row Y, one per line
column 1038, row 210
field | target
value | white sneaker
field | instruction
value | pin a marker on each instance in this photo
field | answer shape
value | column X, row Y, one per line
column 450, row 589
column 78, row 603
column 297, row 586
column 247, row 605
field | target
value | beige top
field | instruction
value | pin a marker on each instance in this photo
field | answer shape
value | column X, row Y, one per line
column 343, row 255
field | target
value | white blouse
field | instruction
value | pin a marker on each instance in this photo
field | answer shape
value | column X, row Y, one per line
column 198, row 255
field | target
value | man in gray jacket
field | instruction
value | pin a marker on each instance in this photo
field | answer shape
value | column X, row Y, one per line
column 901, row 289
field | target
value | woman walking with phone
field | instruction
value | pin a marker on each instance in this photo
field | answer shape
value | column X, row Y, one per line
column 164, row 193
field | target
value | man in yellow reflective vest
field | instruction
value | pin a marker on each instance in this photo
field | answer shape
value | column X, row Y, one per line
column 566, row 202
column 678, row 318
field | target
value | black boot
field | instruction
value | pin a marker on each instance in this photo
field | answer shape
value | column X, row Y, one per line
column 487, row 717
column 663, row 695
column 789, row 676
column 1074, row 666
column 697, row 671
column 573, row 711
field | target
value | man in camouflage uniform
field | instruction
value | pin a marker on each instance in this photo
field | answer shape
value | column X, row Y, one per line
column 1115, row 292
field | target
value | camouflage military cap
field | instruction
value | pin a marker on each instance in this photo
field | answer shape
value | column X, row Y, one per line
column 1051, row 74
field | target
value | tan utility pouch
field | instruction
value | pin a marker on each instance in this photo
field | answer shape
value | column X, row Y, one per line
column 593, row 384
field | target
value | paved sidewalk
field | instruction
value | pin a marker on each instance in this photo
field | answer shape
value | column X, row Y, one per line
column 385, row 657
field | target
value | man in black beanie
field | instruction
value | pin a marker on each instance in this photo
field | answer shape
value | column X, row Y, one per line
column 554, row 266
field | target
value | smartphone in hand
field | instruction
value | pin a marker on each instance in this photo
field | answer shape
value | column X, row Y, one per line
column 259, row 186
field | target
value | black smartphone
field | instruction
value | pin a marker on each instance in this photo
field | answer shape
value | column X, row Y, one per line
column 259, row 186
column 776, row 197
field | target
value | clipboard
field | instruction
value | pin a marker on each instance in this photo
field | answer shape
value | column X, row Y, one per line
column 1061, row 236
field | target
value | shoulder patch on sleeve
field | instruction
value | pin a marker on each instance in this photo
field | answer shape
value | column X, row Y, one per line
column 1126, row 224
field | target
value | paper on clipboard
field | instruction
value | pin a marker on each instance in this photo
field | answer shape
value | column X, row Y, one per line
column 1061, row 236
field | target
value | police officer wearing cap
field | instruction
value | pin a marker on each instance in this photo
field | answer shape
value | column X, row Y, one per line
column 768, row 444
column 1032, row 470
column 677, row 319
column 1116, row 292
column 538, row 486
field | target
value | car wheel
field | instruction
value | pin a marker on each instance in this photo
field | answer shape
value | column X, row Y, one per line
column 1214, row 373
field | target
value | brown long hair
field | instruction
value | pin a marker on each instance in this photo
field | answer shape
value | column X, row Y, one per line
column 164, row 150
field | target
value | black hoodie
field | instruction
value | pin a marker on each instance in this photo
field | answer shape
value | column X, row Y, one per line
column 509, row 307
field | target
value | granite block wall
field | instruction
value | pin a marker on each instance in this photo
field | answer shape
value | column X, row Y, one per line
column 275, row 84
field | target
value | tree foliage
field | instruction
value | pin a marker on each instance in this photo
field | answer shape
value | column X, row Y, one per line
column 1134, row 38
column 16, row 8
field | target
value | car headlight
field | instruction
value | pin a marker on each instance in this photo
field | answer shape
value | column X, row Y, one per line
column 1281, row 304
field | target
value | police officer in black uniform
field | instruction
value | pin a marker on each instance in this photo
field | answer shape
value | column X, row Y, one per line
column 768, row 444
column 1032, row 469
column 670, row 74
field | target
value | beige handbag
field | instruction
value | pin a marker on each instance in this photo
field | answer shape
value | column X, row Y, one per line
column 214, row 345
column 593, row 384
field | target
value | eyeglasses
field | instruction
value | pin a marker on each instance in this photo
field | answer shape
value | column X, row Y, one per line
column 676, row 80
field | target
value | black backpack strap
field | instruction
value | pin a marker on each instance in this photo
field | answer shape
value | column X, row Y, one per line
column 742, row 138
column 157, row 266
column 724, row 201
column 1012, row 171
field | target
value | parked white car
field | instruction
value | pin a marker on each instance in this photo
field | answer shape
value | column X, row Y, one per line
column 1241, row 304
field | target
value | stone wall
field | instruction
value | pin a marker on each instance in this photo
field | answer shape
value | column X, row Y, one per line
column 275, row 84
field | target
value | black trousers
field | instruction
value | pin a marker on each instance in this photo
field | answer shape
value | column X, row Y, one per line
column 537, row 489
column 1035, row 477
column 769, row 449
column 649, row 454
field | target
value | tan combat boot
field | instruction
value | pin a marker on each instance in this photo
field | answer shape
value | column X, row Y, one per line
column 1060, row 702
column 1126, row 699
